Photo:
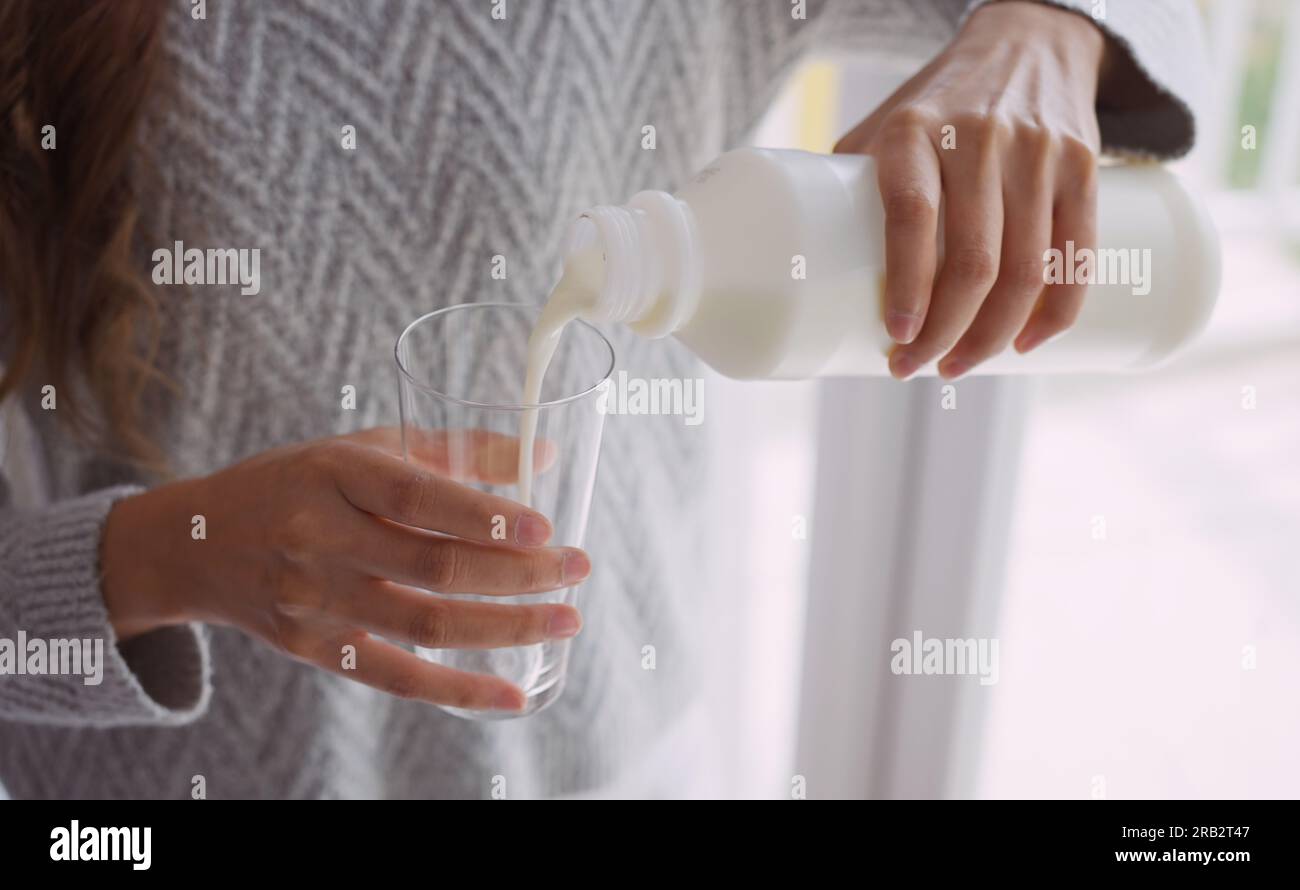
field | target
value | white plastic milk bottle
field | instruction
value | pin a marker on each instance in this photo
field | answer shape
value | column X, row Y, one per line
column 770, row 264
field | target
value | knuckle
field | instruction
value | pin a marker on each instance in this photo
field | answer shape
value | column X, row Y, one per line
column 1078, row 157
column 412, row 496
column 346, row 637
column 975, row 264
column 539, row 572
column 1036, row 140
column 941, row 345
column 351, row 598
column 980, row 131
column 531, row 625
column 291, row 597
column 431, row 627
column 403, row 685
column 439, row 565
column 909, row 204
column 328, row 649
column 993, row 130
column 910, row 116
column 298, row 533
column 321, row 461
column 1025, row 275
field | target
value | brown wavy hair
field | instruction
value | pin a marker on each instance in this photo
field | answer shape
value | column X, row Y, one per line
column 76, row 311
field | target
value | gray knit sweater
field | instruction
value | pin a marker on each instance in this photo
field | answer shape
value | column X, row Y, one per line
column 475, row 137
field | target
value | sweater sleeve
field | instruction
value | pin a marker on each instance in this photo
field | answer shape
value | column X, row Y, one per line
column 50, row 593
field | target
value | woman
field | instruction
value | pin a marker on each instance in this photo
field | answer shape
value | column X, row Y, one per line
column 479, row 129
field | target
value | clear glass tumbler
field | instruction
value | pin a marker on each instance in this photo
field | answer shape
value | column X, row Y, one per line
column 461, row 369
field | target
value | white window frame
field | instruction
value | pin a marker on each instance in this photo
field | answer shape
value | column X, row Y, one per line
column 911, row 530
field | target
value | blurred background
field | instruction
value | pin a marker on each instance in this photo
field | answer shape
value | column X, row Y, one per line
column 1146, row 607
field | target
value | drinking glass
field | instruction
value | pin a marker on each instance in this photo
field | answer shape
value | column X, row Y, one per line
column 461, row 371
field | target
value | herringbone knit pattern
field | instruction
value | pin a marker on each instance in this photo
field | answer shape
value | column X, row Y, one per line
column 475, row 137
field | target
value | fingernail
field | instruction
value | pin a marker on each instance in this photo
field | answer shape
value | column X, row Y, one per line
column 1033, row 341
column 1024, row 342
column 532, row 530
column 902, row 366
column 563, row 624
column 576, row 567
column 953, row 369
column 509, row 700
column 903, row 326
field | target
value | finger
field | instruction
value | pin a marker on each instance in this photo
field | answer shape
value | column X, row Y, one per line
column 907, row 173
column 403, row 674
column 410, row 494
column 451, row 565
column 413, row 616
column 1027, row 234
column 1074, row 219
column 972, row 230
column 472, row 455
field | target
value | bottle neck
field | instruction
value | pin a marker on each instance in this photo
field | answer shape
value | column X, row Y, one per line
column 650, row 278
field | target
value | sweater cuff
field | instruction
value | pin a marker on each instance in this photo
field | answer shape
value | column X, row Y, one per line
column 50, row 597
column 1148, row 110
